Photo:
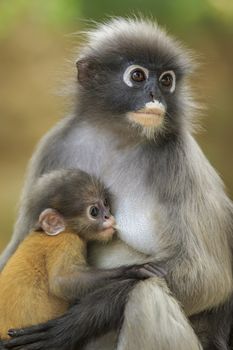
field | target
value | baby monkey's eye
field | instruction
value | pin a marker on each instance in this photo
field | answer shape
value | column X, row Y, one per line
column 168, row 80
column 94, row 211
column 106, row 202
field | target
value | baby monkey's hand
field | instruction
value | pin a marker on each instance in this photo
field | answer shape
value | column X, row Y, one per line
column 143, row 271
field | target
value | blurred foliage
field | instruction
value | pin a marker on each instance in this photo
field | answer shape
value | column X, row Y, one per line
column 174, row 14
column 52, row 12
column 33, row 48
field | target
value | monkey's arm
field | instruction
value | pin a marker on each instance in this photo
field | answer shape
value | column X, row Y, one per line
column 71, row 278
column 97, row 313
column 102, row 311
column 74, row 285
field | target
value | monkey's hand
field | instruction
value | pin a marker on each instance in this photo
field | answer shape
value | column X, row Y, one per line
column 97, row 313
column 143, row 271
column 1, row 345
column 39, row 337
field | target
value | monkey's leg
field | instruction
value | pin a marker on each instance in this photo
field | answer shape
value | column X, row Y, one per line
column 154, row 320
column 98, row 313
column 213, row 327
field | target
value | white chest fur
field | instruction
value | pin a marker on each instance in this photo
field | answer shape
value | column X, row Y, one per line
column 135, row 206
column 136, row 219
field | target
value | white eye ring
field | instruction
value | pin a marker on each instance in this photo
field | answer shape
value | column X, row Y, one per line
column 127, row 74
column 94, row 218
column 172, row 88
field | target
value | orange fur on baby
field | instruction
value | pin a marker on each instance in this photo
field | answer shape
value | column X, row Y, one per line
column 28, row 293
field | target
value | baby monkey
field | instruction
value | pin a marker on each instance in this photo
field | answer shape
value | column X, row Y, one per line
column 49, row 270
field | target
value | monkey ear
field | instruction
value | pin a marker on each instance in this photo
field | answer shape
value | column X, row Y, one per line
column 87, row 69
column 51, row 222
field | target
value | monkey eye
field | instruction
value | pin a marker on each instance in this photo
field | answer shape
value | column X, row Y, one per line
column 93, row 211
column 106, row 202
column 135, row 74
column 138, row 75
column 168, row 80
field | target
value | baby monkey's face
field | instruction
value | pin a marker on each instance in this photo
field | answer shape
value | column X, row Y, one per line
column 94, row 222
column 89, row 214
column 100, row 223
column 80, row 203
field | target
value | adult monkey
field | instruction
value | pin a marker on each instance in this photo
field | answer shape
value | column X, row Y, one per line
column 132, row 128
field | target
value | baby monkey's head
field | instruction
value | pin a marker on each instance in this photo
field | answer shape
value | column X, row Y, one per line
column 73, row 201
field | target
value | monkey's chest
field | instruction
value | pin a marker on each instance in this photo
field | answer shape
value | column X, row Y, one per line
column 136, row 209
column 138, row 221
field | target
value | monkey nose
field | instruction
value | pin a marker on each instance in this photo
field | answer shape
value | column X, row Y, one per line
column 152, row 95
column 109, row 222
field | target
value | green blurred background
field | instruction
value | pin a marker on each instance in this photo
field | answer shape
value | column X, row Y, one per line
column 36, row 60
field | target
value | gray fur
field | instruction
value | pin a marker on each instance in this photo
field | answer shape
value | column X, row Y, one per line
column 170, row 203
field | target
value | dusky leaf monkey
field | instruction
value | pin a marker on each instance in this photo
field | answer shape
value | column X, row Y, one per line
column 132, row 127
column 49, row 271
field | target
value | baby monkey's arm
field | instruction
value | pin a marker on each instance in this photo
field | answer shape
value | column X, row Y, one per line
column 71, row 278
column 97, row 313
column 69, row 275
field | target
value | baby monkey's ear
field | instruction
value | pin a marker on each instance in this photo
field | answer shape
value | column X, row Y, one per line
column 51, row 222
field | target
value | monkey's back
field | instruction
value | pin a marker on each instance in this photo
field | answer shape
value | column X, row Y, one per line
column 25, row 294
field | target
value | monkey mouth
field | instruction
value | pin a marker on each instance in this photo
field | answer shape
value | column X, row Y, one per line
column 109, row 230
column 107, row 233
column 150, row 116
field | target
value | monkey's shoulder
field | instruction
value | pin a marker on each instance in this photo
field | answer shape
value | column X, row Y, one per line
column 46, row 245
column 39, row 250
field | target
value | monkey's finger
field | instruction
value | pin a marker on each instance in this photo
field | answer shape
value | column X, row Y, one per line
column 35, row 346
column 158, row 270
column 146, row 273
column 24, row 340
column 2, row 346
column 20, row 348
column 13, row 333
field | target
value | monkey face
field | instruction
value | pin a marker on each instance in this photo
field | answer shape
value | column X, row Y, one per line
column 75, row 201
column 94, row 222
column 102, row 223
column 150, row 107
column 132, row 75
column 84, row 203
